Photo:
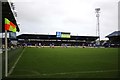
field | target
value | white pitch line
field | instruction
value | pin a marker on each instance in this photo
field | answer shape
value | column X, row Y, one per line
column 11, row 70
column 81, row 72
column 67, row 73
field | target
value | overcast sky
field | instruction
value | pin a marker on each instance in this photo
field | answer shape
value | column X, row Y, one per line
column 75, row 16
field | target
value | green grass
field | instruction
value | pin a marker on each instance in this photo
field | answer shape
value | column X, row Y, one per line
column 13, row 55
column 67, row 63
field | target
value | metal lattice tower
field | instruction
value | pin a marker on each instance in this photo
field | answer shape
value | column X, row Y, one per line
column 98, row 23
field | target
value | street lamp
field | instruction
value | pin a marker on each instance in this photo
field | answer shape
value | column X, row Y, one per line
column 98, row 24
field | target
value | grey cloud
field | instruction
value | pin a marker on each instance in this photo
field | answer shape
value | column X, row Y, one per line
column 76, row 16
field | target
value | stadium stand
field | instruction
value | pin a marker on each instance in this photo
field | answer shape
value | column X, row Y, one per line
column 7, row 12
column 46, row 40
column 114, row 39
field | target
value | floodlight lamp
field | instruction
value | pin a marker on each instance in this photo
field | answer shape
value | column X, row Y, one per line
column 97, row 9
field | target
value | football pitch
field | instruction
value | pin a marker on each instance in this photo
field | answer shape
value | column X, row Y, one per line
column 66, row 63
